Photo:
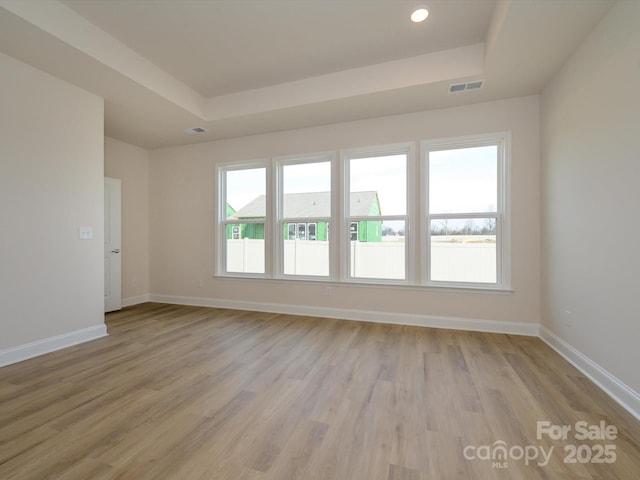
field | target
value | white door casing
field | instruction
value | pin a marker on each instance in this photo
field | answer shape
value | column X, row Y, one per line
column 112, row 245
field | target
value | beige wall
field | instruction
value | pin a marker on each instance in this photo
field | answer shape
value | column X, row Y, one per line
column 131, row 165
column 51, row 183
column 182, row 220
column 591, row 170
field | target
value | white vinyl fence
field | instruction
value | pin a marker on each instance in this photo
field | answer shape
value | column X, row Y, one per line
column 306, row 257
column 473, row 261
column 469, row 261
column 377, row 260
column 245, row 256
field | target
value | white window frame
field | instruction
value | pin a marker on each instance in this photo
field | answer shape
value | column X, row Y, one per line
column 417, row 217
column 346, row 155
column 279, row 220
column 502, row 215
column 222, row 221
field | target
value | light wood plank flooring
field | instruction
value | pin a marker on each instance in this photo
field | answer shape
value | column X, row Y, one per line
column 199, row 393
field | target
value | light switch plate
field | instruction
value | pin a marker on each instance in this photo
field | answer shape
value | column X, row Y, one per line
column 85, row 233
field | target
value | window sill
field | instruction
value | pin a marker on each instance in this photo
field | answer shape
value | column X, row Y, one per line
column 482, row 290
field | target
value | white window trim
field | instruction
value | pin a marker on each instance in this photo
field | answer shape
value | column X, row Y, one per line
column 221, row 221
column 405, row 148
column 416, row 223
column 277, row 250
column 503, row 209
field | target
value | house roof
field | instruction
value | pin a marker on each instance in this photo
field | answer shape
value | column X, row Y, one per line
column 313, row 204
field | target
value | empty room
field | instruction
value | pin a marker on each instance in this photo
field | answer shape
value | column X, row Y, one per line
column 319, row 239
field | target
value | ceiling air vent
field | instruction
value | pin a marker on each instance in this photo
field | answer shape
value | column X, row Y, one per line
column 195, row 130
column 462, row 87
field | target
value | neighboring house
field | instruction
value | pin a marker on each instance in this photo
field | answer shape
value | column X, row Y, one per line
column 233, row 231
column 312, row 206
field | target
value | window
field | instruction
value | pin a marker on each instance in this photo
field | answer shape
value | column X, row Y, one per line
column 353, row 231
column 302, row 231
column 305, row 213
column 311, row 228
column 439, row 222
column 377, row 203
column 305, row 231
column 244, row 193
column 465, row 212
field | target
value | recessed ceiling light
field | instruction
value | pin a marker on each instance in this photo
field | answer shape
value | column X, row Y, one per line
column 420, row 14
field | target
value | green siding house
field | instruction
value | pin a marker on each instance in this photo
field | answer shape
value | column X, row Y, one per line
column 302, row 206
column 239, row 230
column 231, row 228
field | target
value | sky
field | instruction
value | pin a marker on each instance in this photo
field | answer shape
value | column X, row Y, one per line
column 385, row 175
column 460, row 180
column 245, row 185
column 463, row 180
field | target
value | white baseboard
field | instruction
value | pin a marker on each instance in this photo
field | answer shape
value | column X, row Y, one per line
column 130, row 301
column 616, row 389
column 454, row 323
column 51, row 344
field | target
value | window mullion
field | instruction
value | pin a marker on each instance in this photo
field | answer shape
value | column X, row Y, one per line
column 339, row 237
column 271, row 220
